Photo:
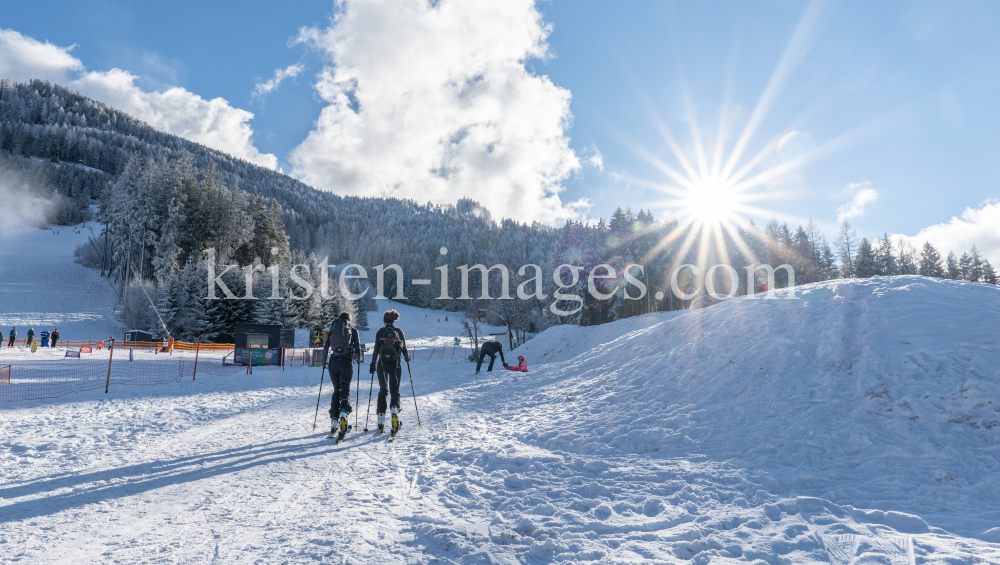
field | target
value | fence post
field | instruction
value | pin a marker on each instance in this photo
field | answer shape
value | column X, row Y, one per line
column 111, row 352
column 197, row 347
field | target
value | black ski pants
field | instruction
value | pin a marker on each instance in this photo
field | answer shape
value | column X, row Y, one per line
column 482, row 357
column 11, row 344
column 389, row 375
column 28, row 343
column 341, row 373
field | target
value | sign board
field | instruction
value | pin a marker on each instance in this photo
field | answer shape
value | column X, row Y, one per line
column 85, row 349
column 75, row 354
column 301, row 338
column 260, row 356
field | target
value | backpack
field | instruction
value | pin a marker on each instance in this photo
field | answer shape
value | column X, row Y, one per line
column 340, row 338
column 392, row 341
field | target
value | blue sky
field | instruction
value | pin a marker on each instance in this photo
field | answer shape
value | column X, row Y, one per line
column 909, row 89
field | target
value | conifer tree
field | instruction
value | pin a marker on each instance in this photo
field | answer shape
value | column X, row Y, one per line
column 864, row 266
column 930, row 261
column 953, row 272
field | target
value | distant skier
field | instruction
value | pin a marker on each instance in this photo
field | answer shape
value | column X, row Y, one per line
column 390, row 345
column 13, row 336
column 343, row 348
column 490, row 348
column 31, row 336
column 522, row 366
column 55, row 336
column 761, row 285
column 45, row 338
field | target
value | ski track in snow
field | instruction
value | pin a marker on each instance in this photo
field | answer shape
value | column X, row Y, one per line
column 855, row 425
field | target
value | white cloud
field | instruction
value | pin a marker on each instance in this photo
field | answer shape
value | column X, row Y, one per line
column 23, row 58
column 210, row 122
column 262, row 89
column 594, row 157
column 432, row 101
column 976, row 226
column 861, row 194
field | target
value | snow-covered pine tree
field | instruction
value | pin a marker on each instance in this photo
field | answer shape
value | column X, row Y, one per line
column 885, row 261
column 907, row 259
column 975, row 265
column 989, row 274
column 953, row 272
column 964, row 267
column 930, row 261
column 864, row 263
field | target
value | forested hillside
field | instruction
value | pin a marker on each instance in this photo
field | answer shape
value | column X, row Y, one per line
column 165, row 201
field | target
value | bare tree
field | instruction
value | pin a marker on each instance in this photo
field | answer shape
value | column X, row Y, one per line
column 471, row 323
column 847, row 245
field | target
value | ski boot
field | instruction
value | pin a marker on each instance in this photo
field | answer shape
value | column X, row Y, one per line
column 343, row 426
column 395, row 423
column 381, row 423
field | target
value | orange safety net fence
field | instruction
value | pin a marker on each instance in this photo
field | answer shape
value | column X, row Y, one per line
column 53, row 372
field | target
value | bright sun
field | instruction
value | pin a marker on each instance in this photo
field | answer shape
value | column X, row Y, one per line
column 709, row 202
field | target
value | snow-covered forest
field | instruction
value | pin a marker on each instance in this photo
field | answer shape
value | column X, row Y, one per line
column 165, row 201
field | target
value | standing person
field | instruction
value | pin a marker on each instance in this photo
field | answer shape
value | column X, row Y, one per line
column 55, row 336
column 31, row 336
column 13, row 336
column 343, row 347
column 490, row 348
column 390, row 345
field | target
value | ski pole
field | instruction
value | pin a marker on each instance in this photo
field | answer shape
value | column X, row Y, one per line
column 414, row 392
column 357, row 397
column 318, row 398
column 371, row 387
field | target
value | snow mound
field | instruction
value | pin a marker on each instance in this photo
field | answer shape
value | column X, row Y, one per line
column 877, row 393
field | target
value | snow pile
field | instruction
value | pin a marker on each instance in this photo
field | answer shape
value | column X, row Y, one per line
column 875, row 393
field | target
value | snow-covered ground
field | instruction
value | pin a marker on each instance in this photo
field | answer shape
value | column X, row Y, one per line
column 42, row 288
column 857, row 424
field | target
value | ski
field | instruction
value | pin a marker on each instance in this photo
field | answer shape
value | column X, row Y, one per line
column 334, row 433
column 342, row 432
column 396, row 424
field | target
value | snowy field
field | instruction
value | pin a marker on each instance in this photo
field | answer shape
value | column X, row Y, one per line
column 854, row 425
column 857, row 424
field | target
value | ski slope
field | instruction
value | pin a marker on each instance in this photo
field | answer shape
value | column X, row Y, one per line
column 42, row 288
column 856, row 424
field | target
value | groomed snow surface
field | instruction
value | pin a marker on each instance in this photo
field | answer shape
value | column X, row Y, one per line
column 856, row 424
column 42, row 288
